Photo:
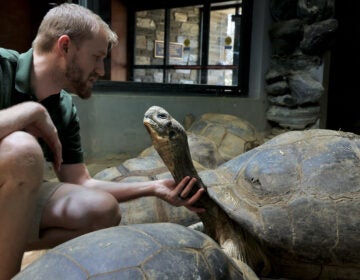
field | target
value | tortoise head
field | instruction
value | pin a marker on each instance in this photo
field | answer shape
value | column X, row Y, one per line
column 170, row 141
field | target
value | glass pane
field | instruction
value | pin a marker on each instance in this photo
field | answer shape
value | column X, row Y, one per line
column 183, row 63
column 221, row 77
column 148, row 76
column 183, row 76
column 221, row 42
column 184, row 32
column 149, row 29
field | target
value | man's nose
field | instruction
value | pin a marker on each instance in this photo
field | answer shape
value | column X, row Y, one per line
column 100, row 68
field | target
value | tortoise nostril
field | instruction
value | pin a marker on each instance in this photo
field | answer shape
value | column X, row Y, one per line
column 172, row 134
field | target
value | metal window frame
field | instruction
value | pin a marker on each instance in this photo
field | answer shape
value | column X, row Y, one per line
column 244, row 59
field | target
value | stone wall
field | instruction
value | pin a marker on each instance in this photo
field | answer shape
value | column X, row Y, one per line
column 301, row 33
column 184, row 26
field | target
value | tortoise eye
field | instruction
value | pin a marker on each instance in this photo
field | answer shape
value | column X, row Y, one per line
column 161, row 116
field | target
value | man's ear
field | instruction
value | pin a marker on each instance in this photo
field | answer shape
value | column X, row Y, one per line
column 63, row 44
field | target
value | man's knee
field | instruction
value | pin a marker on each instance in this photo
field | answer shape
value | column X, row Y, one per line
column 21, row 159
column 105, row 212
column 20, row 142
column 97, row 210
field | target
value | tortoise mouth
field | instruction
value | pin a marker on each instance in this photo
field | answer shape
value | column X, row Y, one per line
column 147, row 126
column 150, row 129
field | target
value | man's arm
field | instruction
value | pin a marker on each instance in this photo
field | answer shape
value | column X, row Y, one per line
column 165, row 189
column 34, row 119
column 21, row 173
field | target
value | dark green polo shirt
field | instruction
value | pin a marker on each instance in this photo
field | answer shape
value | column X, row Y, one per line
column 15, row 88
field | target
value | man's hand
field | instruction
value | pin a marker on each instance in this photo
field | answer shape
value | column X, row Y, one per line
column 43, row 127
column 177, row 194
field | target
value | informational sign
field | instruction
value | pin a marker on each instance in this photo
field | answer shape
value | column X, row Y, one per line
column 175, row 50
column 186, row 44
column 228, row 42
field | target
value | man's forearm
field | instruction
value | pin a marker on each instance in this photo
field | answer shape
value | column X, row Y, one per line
column 17, row 117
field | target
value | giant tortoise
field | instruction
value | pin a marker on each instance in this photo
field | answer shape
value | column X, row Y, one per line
column 144, row 251
column 288, row 208
column 213, row 139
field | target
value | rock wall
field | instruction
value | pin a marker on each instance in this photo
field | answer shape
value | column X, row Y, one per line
column 301, row 33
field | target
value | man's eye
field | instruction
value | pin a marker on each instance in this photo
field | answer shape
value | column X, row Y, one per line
column 97, row 57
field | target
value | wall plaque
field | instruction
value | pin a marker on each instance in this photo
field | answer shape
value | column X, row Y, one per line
column 175, row 50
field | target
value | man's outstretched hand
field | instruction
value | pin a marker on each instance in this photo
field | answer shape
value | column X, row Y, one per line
column 177, row 195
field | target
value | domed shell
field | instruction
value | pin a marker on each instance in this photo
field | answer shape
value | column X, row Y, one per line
column 231, row 134
column 144, row 251
column 298, row 193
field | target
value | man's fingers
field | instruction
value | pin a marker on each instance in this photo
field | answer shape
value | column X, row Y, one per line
column 188, row 187
column 181, row 192
column 189, row 203
column 195, row 197
column 58, row 158
column 55, row 146
column 179, row 188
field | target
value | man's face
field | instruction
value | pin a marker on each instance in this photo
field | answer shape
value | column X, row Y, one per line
column 86, row 65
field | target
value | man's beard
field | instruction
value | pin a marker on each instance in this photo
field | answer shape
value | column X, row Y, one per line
column 78, row 85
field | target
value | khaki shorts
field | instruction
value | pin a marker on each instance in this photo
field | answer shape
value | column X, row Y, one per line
column 46, row 191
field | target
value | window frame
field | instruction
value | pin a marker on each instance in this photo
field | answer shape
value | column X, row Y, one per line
column 244, row 52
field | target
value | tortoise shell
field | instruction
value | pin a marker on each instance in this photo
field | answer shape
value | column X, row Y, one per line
column 231, row 134
column 299, row 194
column 288, row 208
column 144, row 251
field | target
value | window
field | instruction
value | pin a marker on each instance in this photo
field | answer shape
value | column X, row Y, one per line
column 205, row 45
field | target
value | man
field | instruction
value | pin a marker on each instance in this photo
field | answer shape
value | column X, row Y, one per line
column 67, row 54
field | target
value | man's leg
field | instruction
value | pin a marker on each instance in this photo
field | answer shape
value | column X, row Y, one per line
column 21, row 173
column 75, row 210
